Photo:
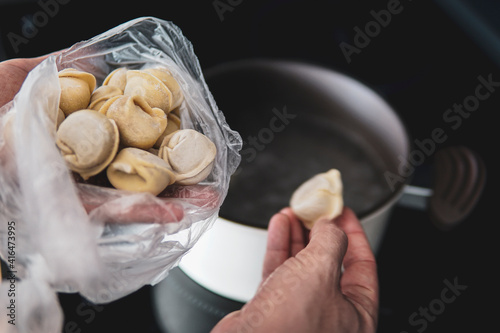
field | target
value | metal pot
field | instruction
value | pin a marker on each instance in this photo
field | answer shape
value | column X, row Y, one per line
column 296, row 120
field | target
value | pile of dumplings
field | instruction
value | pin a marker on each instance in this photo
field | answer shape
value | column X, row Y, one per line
column 130, row 128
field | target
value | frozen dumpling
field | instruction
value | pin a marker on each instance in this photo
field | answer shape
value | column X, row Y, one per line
column 190, row 154
column 139, row 124
column 149, row 87
column 117, row 78
column 138, row 170
column 173, row 124
column 166, row 77
column 101, row 95
column 76, row 89
column 88, row 141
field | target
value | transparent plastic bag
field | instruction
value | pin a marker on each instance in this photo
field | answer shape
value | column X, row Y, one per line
column 101, row 242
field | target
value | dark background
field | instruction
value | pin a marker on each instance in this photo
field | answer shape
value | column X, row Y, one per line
column 424, row 61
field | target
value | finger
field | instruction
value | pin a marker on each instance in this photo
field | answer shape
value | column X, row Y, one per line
column 359, row 280
column 205, row 196
column 359, row 249
column 297, row 232
column 328, row 245
column 115, row 212
column 278, row 244
column 13, row 72
column 229, row 323
column 24, row 65
column 113, row 206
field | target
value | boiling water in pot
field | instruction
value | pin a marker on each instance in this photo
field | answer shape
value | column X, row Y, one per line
column 264, row 182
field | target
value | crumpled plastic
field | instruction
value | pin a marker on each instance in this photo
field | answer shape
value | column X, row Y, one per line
column 67, row 236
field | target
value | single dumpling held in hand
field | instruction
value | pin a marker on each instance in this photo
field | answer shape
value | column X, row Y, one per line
column 137, row 170
column 190, row 154
column 88, row 142
column 320, row 197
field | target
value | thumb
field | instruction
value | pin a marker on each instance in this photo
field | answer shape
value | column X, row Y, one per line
column 359, row 280
column 327, row 245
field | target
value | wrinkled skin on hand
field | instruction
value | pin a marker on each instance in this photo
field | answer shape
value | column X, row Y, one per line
column 303, row 287
column 13, row 72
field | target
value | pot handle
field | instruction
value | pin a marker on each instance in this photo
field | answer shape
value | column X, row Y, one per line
column 458, row 180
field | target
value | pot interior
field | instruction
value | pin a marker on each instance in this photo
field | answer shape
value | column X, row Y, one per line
column 297, row 120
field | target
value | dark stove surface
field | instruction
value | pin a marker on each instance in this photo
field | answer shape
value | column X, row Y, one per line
column 424, row 62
